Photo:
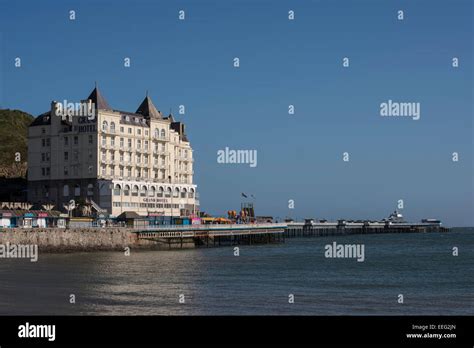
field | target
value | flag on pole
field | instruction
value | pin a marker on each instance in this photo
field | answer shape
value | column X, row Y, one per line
column 244, row 195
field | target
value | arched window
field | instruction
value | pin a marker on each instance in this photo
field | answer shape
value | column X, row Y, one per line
column 183, row 193
column 126, row 190
column 117, row 190
column 104, row 126
column 77, row 190
column 157, row 133
column 176, row 192
column 143, row 191
column 191, row 193
column 112, row 127
column 135, row 190
column 168, row 192
column 151, row 192
column 90, row 190
column 66, row 190
column 163, row 133
column 160, row 192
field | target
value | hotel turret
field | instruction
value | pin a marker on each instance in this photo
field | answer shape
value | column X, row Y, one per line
column 116, row 161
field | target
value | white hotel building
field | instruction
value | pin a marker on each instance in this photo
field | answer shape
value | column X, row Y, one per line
column 118, row 161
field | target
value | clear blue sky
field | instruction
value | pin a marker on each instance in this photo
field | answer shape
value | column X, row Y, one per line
column 282, row 63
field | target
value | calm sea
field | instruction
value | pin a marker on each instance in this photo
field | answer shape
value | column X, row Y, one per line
column 213, row 281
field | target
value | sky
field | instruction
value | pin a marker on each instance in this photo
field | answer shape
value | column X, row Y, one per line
column 282, row 63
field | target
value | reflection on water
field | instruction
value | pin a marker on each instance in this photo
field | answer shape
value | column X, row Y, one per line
column 214, row 281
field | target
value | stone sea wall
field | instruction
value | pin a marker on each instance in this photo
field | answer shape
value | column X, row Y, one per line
column 79, row 239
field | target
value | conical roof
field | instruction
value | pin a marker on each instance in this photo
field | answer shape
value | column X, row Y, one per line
column 98, row 99
column 148, row 110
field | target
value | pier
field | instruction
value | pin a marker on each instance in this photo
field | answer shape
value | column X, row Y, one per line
column 214, row 235
column 236, row 234
column 311, row 228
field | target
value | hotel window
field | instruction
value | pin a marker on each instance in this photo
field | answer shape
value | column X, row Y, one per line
column 112, row 141
column 143, row 191
column 76, row 140
column 160, row 192
column 103, row 170
column 155, row 161
column 126, row 190
column 151, row 192
column 66, row 141
column 139, row 131
column 121, row 143
column 121, row 171
column 104, row 141
column 66, row 171
column 127, row 118
column 89, row 154
column 43, row 131
column 129, row 130
column 155, row 174
column 48, row 171
column 146, row 144
column 91, row 140
column 146, row 132
column 183, row 193
column 168, row 192
column 157, row 133
column 121, row 157
column 104, row 155
column 90, row 190
column 43, row 171
column 121, row 129
column 135, row 190
column 146, row 159
column 43, row 156
column 176, row 192
column 130, row 143
column 66, row 190
column 75, row 155
column 112, row 170
column 185, row 153
column 104, row 126
column 155, row 148
column 129, row 174
column 145, row 173
column 138, row 173
column 163, row 161
column 66, row 156
column 163, row 133
column 139, row 144
column 43, row 142
column 112, row 127
column 191, row 193
column 77, row 190
column 48, row 142
column 117, row 190
column 139, row 158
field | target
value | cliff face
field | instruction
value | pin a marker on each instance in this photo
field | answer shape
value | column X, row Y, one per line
column 14, row 143
column 13, row 154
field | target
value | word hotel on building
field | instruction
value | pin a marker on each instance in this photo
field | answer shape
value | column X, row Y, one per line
column 114, row 160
